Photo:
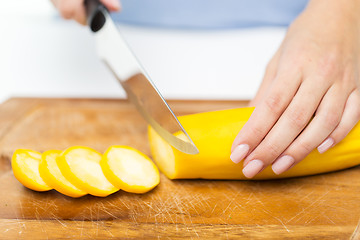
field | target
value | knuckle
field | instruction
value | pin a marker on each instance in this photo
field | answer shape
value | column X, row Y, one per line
column 275, row 103
column 256, row 131
column 291, row 65
column 329, row 65
column 297, row 118
column 349, row 79
column 331, row 119
column 270, row 68
column 305, row 148
column 272, row 151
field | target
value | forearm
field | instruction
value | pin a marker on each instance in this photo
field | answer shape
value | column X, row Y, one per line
column 335, row 10
column 329, row 22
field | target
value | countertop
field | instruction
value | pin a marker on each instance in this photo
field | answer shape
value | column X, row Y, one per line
column 324, row 206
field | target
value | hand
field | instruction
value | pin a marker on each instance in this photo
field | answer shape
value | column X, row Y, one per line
column 310, row 96
column 74, row 9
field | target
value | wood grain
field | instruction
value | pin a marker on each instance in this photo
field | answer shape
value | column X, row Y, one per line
column 63, row 229
column 317, row 207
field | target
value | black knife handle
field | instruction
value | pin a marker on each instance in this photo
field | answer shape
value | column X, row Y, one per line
column 95, row 14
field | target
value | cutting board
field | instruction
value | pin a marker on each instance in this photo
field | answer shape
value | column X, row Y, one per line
column 318, row 207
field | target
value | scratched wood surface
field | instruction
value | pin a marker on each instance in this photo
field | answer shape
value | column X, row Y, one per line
column 317, row 207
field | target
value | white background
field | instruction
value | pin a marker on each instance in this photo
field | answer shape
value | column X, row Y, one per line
column 42, row 55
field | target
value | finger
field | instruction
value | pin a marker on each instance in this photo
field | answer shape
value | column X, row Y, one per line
column 350, row 118
column 79, row 13
column 268, row 78
column 265, row 115
column 327, row 117
column 112, row 5
column 67, row 8
column 287, row 128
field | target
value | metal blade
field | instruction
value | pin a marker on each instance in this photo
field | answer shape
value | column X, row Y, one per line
column 139, row 88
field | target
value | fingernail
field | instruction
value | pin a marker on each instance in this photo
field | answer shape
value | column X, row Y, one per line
column 253, row 168
column 239, row 153
column 282, row 164
column 328, row 143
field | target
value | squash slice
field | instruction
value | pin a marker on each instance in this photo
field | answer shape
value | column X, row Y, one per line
column 51, row 174
column 25, row 165
column 81, row 166
column 129, row 169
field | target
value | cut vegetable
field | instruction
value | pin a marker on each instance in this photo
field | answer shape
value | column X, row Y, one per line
column 25, row 165
column 81, row 167
column 213, row 134
column 129, row 169
column 51, row 174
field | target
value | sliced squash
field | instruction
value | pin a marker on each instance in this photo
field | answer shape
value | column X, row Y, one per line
column 51, row 174
column 129, row 169
column 81, row 166
column 25, row 166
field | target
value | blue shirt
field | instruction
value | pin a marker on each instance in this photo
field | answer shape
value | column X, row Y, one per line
column 209, row 14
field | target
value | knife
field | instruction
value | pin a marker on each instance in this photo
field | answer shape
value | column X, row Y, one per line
column 140, row 90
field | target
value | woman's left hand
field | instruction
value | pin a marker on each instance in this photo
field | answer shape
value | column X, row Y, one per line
column 310, row 94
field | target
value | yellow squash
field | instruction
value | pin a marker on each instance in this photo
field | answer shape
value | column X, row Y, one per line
column 25, row 166
column 130, row 170
column 51, row 174
column 81, row 166
column 213, row 134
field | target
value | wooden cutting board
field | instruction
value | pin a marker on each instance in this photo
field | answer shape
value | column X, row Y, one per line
column 318, row 207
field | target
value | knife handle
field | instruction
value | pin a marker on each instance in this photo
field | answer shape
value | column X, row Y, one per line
column 95, row 14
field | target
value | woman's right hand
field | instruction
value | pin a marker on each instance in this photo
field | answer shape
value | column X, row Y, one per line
column 74, row 9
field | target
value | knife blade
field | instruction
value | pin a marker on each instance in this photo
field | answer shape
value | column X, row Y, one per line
column 140, row 90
